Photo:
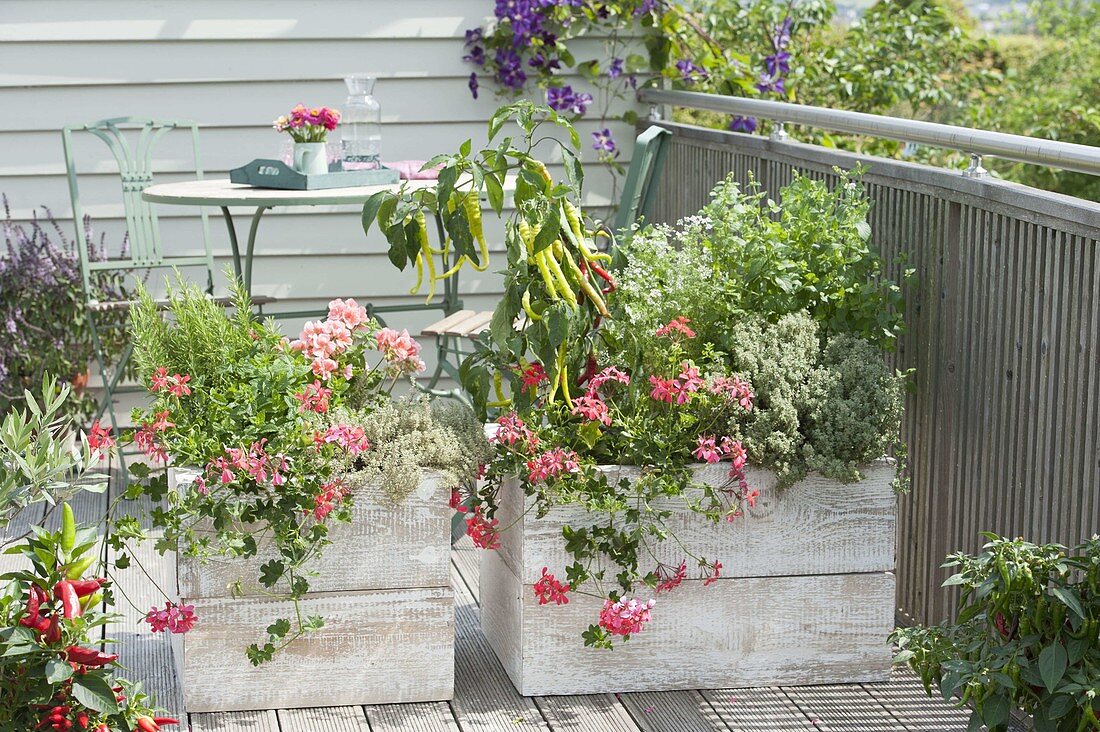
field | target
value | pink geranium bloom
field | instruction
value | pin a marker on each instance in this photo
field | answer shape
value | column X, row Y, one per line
column 707, row 449
column 173, row 618
column 609, row 374
column 592, row 408
column 549, row 589
column 664, row 390
column 482, row 531
column 625, row 617
column 324, row 367
column 679, row 325
column 99, row 439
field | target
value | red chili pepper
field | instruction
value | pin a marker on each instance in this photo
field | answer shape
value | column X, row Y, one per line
column 152, row 724
column 32, row 614
column 87, row 587
column 89, row 657
column 603, row 274
column 53, row 632
column 82, row 720
column 590, row 367
column 70, row 603
column 165, row 720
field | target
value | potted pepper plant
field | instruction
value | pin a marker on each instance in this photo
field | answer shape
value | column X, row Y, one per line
column 678, row 446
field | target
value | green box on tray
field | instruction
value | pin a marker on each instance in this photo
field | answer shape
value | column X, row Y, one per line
column 277, row 174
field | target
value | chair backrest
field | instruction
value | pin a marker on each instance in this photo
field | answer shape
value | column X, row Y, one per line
column 131, row 141
column 642, row 176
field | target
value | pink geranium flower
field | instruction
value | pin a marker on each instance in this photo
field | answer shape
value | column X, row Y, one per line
column 548, row 589
column 173, row 618
column 592, row 408
column 625, row 617
column 678, row 325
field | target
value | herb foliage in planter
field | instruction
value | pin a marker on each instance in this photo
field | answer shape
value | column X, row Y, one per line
column 280, row 431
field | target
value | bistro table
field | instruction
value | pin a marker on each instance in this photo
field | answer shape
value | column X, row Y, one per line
column 224, row 194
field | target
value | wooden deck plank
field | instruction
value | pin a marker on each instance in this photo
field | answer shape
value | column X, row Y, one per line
column 842, row 708
column 904, row 697
column 235, row 722
column 147, row 657
column 484, row 697
column 426, row 717
column 757, row 710
column 466, row 559
column 589, row 713
column 673, row 711
column 331, row 719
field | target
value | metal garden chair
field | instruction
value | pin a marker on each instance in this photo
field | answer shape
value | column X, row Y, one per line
column 452, row 332
column 131, row 141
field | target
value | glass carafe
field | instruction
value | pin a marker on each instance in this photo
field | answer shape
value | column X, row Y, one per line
column 361, row 125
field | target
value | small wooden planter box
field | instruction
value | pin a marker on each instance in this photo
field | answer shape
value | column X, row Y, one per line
column 806, row 595
column 384, row 589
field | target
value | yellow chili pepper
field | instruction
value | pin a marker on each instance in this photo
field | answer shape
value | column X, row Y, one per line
column 526, row 300
column 547, row 277
column 564, row 287
column 537, row 167
column 472, row 206
column 586, row 287
column 425, row 253
column 419, row 273
column 68, row 528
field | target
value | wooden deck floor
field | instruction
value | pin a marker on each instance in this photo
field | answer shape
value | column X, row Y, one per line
column 485, row 700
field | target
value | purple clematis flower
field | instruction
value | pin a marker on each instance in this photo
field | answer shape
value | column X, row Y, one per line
column 603, row 141
column 476, row 56
column 690, row 72
column 778, row 63
column 743, row 124
column 615, row 68
column 771, row 84
column 510, row 69
column 562, row 98
column 646, row 6
column 472, row 83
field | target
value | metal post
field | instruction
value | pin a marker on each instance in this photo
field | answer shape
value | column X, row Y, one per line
column 975, row 169
column 655, row 112
column 779, row 133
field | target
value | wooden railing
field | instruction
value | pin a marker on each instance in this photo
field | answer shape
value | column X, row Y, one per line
column 1003, row 330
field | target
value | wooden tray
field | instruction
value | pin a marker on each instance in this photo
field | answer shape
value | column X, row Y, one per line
column 277, row 174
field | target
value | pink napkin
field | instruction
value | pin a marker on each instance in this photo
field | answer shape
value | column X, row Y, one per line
column 411, row 170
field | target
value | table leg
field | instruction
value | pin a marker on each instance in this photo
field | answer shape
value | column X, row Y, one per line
column 251, row 248
column 232, row 240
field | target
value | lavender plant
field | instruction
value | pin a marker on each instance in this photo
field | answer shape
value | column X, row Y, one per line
column 43, row 324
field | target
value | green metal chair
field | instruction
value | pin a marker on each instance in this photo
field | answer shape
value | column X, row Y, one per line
column 639, row 192
column 642, row 177
column 131, row 141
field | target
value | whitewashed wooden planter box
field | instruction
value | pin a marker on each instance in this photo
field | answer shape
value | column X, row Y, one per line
column 384, row 589
column 806, row 595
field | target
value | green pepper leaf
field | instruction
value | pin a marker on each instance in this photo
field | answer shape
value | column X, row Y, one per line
column 93, row 691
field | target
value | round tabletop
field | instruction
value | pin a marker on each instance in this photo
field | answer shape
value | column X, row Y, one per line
column 221, row 192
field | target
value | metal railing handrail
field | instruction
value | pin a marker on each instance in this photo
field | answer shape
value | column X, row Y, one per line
column 1053, row 153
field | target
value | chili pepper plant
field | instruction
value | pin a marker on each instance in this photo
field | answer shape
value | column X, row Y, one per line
column 275, row 426
column 1027, row 636
column 53, row 673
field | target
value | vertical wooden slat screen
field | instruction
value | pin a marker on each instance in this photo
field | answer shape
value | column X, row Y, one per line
column 1003, row 330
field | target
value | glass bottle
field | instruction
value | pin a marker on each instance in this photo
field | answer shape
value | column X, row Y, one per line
column 361, row 125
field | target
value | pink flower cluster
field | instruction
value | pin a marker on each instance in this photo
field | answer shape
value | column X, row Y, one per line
column 400, row 350
column 679, row 388
column 482, row 531
column 321, row 341
column 548, row 589
column 146, row 437
column 711, row 450
column 100, row 440
column 301, row 116
column 625, row 617
column 713, row 571
column 348, row 436
column 551, row 464
column 678, row 325
column 328, row 499
column 592, row 409
column 735, row 389
column 173, row 618
column 511, row 430
column 314, row 398
column 176, row 384
column 254, row 462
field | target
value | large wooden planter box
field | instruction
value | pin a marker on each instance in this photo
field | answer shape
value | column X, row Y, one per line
column 806, row 595
column 384, row 589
